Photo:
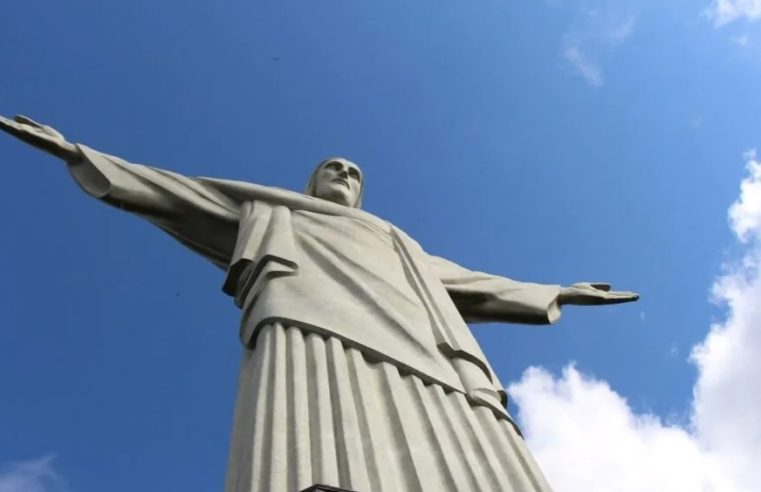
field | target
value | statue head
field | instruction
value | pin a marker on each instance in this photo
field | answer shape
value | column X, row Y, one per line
column 337, row 180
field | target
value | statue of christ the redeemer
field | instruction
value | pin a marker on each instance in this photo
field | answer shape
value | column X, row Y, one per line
column 358, row 371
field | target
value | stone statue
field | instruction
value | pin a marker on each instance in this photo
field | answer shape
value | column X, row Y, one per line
column 358, row 371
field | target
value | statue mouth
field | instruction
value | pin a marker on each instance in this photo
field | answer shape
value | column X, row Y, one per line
column 341, row 181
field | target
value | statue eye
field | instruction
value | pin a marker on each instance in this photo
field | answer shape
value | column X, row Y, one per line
column 354, row 173
column 336, row 166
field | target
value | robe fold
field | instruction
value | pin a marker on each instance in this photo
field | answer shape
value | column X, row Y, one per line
column 334, row 272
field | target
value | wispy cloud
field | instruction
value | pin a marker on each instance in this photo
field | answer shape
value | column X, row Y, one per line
column 742, row 40
column 587, row 438
column 583, row 65
column 725, row 11
column 30, row 476
column 592, row 39
column 618, row 31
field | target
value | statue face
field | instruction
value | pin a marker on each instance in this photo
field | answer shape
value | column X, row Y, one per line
column 338, row 181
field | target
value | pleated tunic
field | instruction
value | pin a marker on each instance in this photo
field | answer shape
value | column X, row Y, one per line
column 312, row 411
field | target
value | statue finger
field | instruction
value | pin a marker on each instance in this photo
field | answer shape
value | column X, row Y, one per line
column 623, row 296
column 600, row 286
column 10, row 126
column 34, row 125
column 20, row 118
column 582, row 285
column 6, row 121
column 29, row 134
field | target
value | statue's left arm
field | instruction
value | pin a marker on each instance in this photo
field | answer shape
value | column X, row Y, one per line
column 191, row 210
column 482, row 297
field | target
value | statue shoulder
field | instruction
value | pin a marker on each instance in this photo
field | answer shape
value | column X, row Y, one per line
column 247, row 191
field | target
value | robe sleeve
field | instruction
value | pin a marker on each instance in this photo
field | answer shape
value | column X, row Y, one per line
column 481, row 297
column 197, row 215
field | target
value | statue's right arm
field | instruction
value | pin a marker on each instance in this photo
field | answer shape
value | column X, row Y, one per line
column 195, row 214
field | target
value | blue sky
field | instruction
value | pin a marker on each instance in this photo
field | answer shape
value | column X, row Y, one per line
column 552, row 141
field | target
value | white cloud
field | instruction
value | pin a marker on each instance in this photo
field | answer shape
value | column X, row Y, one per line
column 726, row 403
column 30, row 476
column 592, row 38
column 745, row 213
column 587, row 438
column 726, row 11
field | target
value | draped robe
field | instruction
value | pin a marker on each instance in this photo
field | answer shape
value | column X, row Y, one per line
column 323, row 284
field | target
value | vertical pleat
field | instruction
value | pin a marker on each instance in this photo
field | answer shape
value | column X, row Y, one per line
column 447, row 453
column 277, row 470
column 321, row 433
column 384, row 460
column 240, row 465
column 300, row 453
column 351, row 458
column 262, row 435
column 468, row 456
column 403, row 436
column 311, row 410
column 504, row 437
column 518, row 445
column 490, row 464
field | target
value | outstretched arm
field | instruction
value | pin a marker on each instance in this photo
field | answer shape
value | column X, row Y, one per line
column 40, row 136
column 195, row 214
column 482, row 297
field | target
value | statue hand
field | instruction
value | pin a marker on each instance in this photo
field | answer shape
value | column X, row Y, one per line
column 592, row 294
column 41, row 136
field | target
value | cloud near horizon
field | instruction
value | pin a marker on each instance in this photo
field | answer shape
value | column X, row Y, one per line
column 36, row 475
column 586, row 437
